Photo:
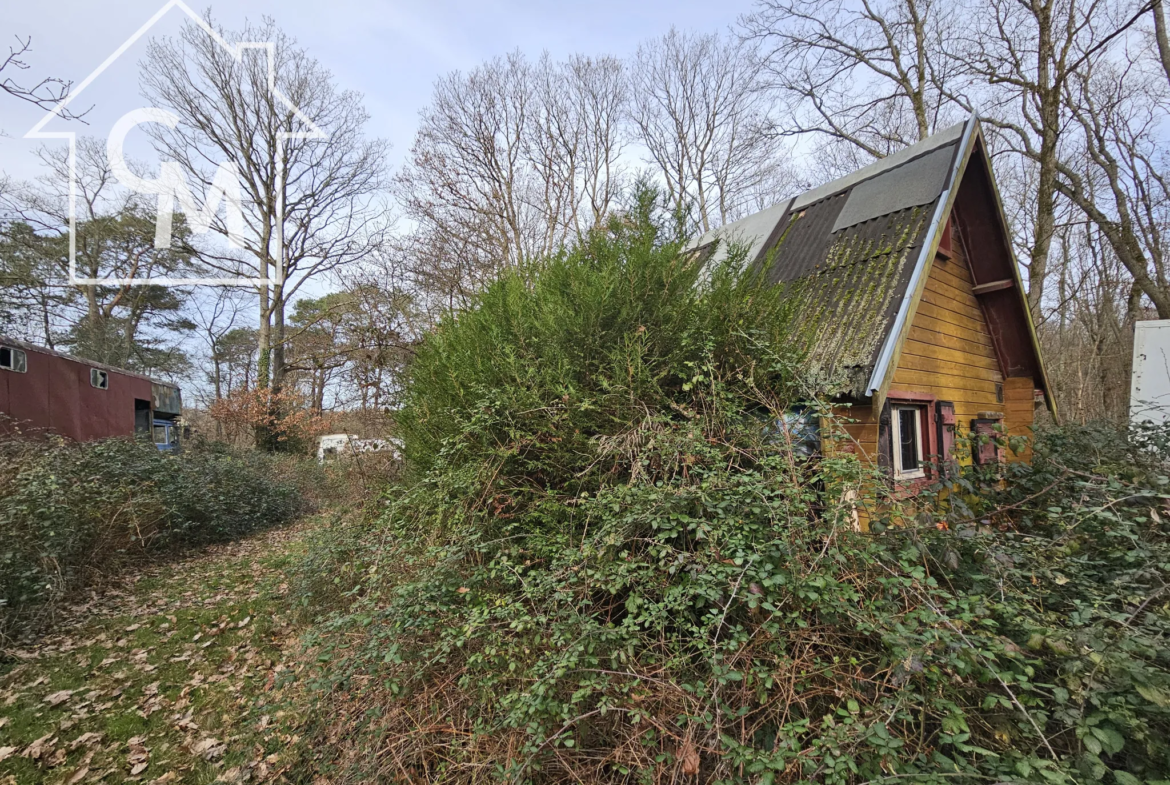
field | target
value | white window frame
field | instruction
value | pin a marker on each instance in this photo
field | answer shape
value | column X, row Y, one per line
column 896, row 440
column 18, row 360
column 97, row 373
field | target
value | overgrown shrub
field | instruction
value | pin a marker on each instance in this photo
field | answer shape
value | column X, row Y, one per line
column 608, row 564
column 70, row 512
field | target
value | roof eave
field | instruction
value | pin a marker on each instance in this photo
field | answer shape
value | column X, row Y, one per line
column 32, row 347
column 891, row 350
column 1049, row 400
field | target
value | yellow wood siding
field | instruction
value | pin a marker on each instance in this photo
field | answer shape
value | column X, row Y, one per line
column 948, row 353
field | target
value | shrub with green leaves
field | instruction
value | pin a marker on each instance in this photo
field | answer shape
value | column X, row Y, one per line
column 71, row 512
column 608, row 564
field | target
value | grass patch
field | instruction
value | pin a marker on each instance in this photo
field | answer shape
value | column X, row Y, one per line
column 179, row 676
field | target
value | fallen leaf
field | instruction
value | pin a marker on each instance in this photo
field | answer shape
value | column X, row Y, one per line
column 88, row 739
column 690, row 759
column 234, row 775
column 208, row 748
column 56, row 759
column 57, row 698
column 38, row 747
column 244, row 623
column 138, row 757
column 170, row 776
column 6, row 752
column 78, row 775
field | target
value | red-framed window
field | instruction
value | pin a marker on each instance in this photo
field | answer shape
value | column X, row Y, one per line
column 917, row 435
column 909, row 440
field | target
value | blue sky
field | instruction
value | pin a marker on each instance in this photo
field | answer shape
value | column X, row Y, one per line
column 391, row 52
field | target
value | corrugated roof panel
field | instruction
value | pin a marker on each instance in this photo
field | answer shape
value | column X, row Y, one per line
column 943, row 137
column 915, row 183
column 848, row 299
column 751, row 232
column 802, row 240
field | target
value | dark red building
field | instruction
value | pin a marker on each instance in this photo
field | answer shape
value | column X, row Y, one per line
column 80, row 399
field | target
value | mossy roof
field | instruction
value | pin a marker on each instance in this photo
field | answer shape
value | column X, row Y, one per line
column 847, row 252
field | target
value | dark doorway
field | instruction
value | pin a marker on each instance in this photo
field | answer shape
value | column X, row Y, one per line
column 142, row 417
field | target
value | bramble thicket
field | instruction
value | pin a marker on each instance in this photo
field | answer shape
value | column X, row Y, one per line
column 607, row 562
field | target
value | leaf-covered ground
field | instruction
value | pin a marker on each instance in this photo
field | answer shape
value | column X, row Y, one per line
column 176, row 674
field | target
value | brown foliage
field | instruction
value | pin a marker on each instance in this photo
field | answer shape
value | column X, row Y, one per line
column 284, row 414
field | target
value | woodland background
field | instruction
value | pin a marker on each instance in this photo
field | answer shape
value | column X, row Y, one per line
column 519, row 156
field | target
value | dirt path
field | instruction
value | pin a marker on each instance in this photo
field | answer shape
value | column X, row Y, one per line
column 173, row 675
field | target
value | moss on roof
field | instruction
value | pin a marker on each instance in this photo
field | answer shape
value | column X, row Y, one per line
column 848, row 301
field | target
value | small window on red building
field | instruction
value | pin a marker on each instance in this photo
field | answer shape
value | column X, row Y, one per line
column 99, row 378
column 13, row 359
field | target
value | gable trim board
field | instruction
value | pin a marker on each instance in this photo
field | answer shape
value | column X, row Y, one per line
column 858, row 252
column 879, row 381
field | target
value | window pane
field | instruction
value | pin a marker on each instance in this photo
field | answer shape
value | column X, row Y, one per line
column 160, row 434
column 908, row 437
column 5, row 357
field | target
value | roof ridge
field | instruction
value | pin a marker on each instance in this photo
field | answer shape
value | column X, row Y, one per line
column 894, row 160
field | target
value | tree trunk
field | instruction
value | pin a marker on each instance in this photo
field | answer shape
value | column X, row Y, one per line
column 277, row 338
column 1049, row 98
column 1161, row 36
column 263, row 341
column 262, row 433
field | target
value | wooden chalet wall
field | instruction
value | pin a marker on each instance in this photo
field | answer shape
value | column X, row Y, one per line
column 949, row 354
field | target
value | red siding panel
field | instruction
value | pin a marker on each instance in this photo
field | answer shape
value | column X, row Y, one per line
column 56, row 394
column 64, row 416
column 4, row 375
column 28, row 393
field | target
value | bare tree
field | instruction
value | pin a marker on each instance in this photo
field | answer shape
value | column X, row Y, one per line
column 510, row 161
column 1016, row 62
column 1118, row 175
column 865, row 79
column 597, row 90
column 46, row 93
column 217, row 314
column 1089, row 342
column 311, row 201
column 699, row 112
column 464, row 180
